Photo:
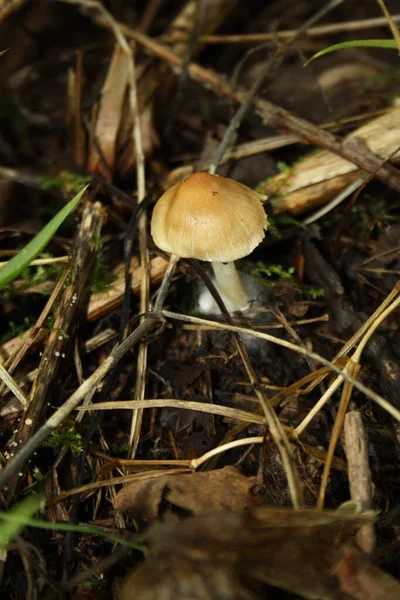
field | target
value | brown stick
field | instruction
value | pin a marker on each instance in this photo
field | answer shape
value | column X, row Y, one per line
column 71, row 303
column 359, row 474
column 273, row 114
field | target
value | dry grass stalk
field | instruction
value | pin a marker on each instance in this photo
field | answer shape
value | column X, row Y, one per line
column 272, row 114
column 95, row 485
column 318, row 30
column 225, row 411
column 265, row 336
column 69, row 405
column 100, row 304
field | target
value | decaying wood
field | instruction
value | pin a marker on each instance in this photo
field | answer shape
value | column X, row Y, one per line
column 71, row 303
column 103, row 302
column 271, row 114
column 356, row 446
column 319, row 177
column 100, row 303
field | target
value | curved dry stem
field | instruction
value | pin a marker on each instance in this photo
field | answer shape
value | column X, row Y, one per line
column 197, row 462
column 216, row 409
column 394, row 412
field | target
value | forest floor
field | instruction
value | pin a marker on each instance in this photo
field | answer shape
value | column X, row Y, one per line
column 157, row 451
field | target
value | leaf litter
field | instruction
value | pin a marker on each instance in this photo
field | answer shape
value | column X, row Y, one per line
column 145, row 104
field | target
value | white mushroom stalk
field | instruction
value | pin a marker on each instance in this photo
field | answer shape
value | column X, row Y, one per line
column 230, row 286
column 213, row 219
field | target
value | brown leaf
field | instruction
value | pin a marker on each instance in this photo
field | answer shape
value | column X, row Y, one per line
column 150, row 140
column 209, row 556
column 109, row 115
column 181, row 579
column 363, row 581
column 221, row 490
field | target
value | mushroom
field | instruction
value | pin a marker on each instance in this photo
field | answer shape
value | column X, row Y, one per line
column 213, row 219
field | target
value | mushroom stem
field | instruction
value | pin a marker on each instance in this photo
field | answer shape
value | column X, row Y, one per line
column 230, row 285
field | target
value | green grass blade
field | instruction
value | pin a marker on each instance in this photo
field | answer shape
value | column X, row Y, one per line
column 21, row 260
column 19, row 515
column 19, row 518
column 388, row 44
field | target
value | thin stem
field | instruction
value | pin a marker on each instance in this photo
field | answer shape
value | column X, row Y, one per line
column 60, row 414
column 229, row 284
column 392, row 410
column 319, row 405
column 354, row 369
column 163, row 291
column 196, row 462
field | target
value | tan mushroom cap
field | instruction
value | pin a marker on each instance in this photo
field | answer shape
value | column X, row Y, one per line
column 210, row 218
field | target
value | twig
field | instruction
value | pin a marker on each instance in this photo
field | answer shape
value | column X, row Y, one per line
column 60, row 414
column 270, row 113
column 319, row 30
column 356, row 447
column 71, row 303
column 240, row 113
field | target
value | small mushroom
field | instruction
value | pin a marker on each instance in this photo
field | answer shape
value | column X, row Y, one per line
column 214, row 219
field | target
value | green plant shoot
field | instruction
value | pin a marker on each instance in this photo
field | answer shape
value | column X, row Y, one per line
column 21, row 260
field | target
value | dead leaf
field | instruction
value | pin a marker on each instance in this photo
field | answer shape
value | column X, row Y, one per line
column 109, row 116
column 208, row 556
column 150, row 140
column 221, row 490
column 364, row 581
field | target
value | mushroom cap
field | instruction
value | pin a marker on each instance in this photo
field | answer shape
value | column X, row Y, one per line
column 210, row 218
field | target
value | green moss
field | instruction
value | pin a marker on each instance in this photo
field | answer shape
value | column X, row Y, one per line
column 312, row 292
column 265, row 274
column 273, row 228
column 273, row 270
column 120, row 448
column 73, row 182
column 65, row 437
column 63, row 333
column 37, row 474
column 100, row 279
column 16, row 329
